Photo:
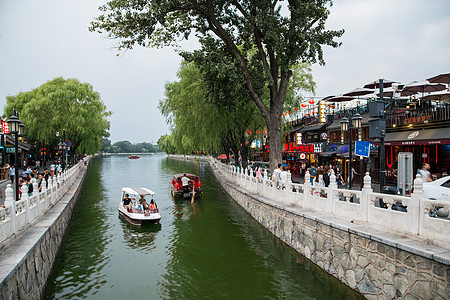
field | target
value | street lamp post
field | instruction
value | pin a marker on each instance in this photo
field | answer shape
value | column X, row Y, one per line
column 62, row 147
column 349, row 125
column 15, row 127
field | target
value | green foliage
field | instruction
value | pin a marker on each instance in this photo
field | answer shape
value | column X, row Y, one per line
column 127, row 147
column 166, row 144
column 62, row 104
column 266, row 39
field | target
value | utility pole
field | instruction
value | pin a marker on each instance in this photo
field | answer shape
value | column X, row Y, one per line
column 382, row 150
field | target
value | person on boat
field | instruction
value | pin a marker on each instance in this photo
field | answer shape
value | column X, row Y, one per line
column 185, row 181
column 143, row 202
column 152, row 205
column 127, row 202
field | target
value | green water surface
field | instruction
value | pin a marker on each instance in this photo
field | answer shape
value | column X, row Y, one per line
column 210, row 250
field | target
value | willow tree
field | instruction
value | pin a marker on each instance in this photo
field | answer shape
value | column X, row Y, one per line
column 198, row 122
column 284, row 33
column 62, row 104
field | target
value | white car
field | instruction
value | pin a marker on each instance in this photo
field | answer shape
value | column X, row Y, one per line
column 438, row 189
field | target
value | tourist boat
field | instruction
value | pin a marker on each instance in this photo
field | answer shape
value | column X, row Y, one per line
column 194, row 189
column 133, row 157
column 136, row 214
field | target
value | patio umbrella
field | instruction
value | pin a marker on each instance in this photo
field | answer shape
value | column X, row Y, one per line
column 441, row 78
column 359, row 92
column 341, row 99
column 423, row 87
column 222, row 156
column 442, row 95
column 376, row 84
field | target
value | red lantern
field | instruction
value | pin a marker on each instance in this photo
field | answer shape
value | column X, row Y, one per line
column 304, row 105
column 311, row 101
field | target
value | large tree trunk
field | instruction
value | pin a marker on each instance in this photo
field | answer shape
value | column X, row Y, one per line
column 274, row 135
column 244, row 155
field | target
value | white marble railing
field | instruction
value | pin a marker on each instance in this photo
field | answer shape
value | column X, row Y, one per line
column 18, row 215
column 356, row 206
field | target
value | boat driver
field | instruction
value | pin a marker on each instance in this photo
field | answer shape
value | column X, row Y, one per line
column 143, row 202
column 185, row 181
column 127, row 201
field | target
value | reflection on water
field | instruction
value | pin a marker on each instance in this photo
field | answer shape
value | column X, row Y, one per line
column 81, row 271
column 140, row 238
column 209, row 249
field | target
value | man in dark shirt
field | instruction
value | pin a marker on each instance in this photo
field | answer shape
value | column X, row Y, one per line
column 46, row 176
column 127, row 201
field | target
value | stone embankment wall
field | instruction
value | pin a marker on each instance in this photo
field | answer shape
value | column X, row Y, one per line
column 26, row 262
column 379, row 266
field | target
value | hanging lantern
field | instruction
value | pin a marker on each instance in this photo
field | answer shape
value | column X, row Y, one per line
column 311, row 101
column 304, row 105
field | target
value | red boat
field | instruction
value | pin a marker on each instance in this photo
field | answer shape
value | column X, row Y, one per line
column 193, row 189
column 133, row 157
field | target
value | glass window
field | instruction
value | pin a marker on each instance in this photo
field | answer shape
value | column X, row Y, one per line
column 446, row 184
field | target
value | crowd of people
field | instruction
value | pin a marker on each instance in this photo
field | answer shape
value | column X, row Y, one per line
column 25, row 178
column 319, row 176
column 129, row 201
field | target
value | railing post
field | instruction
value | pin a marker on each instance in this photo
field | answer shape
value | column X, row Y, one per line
column 44, row 189
column 50, row 189
column 290, row 197
column 11, row 202
column 307, row 190
column 364, row 202
column 55, row 186
column 416, row 217
column 264, row 189
column 36, row 195
column 26, row 200
column 331, row 192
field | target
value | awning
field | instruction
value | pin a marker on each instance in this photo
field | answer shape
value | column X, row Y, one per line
column 312, row 127
column 328, row 153
column 435, row 136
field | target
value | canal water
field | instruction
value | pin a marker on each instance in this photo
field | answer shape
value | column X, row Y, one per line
column 212, row 249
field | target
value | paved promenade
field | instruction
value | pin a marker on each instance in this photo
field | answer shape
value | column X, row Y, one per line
column 32, row 231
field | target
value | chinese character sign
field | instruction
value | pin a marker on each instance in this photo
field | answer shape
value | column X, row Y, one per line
column 5, row 127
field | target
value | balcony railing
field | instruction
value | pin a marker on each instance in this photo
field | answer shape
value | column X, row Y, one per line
column 409, row 116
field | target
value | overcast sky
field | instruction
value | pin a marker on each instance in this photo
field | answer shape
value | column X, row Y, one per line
column 402, row 40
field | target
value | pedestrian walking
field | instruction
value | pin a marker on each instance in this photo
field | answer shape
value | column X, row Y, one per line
column 425, row 173
column 312, row 173
column 12, row 173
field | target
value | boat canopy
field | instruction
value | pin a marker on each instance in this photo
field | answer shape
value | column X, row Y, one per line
column 137, row 191
column 192, row 176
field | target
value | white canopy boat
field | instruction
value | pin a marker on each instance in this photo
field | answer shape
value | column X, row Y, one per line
column 137, row 212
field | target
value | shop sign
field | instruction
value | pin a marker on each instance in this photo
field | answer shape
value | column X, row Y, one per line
column 303, row 148
column 362, row 148
column 11, row 150
column 413, row 135
column 324, row 136
column 299, row 138
column 5, row 127
column 302, row 156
